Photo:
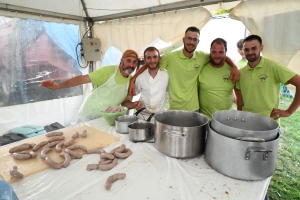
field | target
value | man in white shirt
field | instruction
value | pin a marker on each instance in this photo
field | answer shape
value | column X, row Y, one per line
column 152, row 84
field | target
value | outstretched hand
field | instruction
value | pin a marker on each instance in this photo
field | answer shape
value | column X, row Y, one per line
column 49, row 84
column 234, row 75
column 132, row 89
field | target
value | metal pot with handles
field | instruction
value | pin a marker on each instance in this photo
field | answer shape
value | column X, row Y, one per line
column 122, row 122
column 251, row 159
column 180, row 134
column 234, row 123
column 141, row 131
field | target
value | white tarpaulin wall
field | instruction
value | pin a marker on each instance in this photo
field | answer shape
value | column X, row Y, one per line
column 277, row 22
column 139, row 32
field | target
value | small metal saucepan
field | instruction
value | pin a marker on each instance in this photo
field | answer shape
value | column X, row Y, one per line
column 141, row 131
column 122, row 122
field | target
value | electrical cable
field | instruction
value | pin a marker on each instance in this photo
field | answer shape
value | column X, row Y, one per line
column 80, row 43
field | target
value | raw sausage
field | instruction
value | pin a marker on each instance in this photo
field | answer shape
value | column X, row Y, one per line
column 121, row 148
column 31, row 145
column 45, row 151
column 75, row 135
column 107, row 156
column 15, row 173
column 58, row 147
column 67, row 159
column 21, row 156
column 83, row 133
column 33, row 154
column 39, row 145
column 105, row 161
column 52, row 144
column 97, row 150
column 54, row 134
column 70, row 142
column 21, row 147
column 92, row 166
column 124, row 154
column 108, row 166
column 52, row 164
column 113, row 178
column 56, row 138
column 77, row 146
column 73, row 153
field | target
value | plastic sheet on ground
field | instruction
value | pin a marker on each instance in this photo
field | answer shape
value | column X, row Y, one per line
column 149, row 175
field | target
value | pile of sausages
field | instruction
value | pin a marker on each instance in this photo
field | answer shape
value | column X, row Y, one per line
column 113, row 109
column 109, row 161
column 27, row 151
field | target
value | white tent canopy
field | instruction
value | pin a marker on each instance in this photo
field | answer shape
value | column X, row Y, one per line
column 137, row 24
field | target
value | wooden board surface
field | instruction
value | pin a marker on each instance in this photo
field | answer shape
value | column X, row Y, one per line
column 95, row 138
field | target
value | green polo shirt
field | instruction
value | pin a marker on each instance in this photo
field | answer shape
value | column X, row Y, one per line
column 260, row 86
column 183, row 74
column 241, row 63
column 100, row 76
column 215, row 89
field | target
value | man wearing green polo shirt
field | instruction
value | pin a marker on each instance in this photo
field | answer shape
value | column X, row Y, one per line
column 243, row 62
column 183, row 68
column 110, row 86
column 215, row 91
column 259, row 84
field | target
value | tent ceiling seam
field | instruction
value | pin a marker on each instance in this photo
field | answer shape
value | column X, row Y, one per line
column 158, row 9
column 19, row 9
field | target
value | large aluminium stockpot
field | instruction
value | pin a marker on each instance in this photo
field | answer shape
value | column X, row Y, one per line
column 245, row 160
column 180, row 134
column 235, row 124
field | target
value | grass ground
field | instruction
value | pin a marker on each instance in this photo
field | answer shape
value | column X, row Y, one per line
column 285, row 183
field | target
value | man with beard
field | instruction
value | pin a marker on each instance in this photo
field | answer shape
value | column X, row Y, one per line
column 215, row 91
column 183, row 68
column 152, row 84
column 259, row 84
column 110, row 86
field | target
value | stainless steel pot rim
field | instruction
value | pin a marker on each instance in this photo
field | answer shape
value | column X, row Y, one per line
column 140, row 125
column 183, row 111
column 126, row 118
column 215, row 120
column 245, row 142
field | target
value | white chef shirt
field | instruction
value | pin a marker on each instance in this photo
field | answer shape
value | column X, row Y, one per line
column 153, row 90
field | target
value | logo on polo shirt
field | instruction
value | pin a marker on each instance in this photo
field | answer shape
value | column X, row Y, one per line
column 225, row 78
column 196, row 67
column 263, row 78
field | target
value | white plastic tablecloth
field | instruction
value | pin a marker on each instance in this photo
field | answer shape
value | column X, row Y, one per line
column 149, row 175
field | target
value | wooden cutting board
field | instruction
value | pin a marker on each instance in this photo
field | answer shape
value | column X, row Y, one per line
column 95, row 138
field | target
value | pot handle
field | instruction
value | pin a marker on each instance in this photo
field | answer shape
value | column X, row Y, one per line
column 150, row 117
column 174, row 133
column 139, row 111
column 265, row 153
column 251, row 139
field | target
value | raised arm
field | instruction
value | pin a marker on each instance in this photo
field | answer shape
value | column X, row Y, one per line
column 132, row 81
column 277, row 113
column 235, row 74
column 75, row 81
column 130, row 105
column 239, row 99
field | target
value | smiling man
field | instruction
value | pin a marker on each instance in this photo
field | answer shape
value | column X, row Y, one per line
column 110, row 86
column 183, row 68
column 260, row 80
column 215, row 91
column 151, row 84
